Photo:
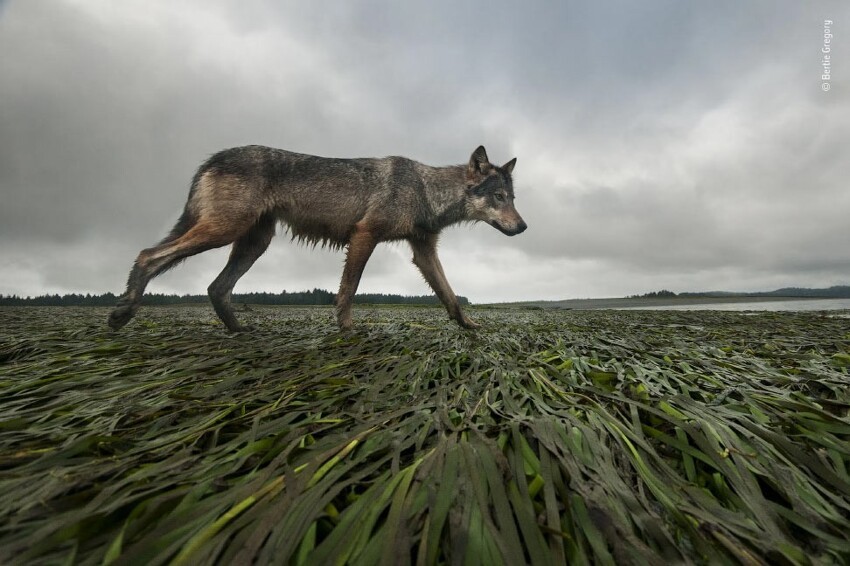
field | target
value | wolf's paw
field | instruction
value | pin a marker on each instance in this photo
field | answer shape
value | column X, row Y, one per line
column 345, row 325
column 120, row 316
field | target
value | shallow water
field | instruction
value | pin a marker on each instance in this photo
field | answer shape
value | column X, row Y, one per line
column 794, row 305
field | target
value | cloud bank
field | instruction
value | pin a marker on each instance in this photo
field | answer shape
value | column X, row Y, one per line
column 659, row 144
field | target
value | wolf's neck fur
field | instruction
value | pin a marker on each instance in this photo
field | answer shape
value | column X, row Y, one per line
column 445, row 191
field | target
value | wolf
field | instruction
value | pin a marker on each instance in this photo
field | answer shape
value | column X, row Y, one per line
column 239, row 195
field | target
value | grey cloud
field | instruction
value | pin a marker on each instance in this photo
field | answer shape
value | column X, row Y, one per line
column 658, row 144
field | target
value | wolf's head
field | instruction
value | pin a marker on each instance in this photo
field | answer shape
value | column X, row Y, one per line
column 490, row 194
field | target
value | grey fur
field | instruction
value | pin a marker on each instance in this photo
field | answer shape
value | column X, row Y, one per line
column 239, row 194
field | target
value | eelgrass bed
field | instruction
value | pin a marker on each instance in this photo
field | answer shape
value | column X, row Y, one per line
column 607, row 437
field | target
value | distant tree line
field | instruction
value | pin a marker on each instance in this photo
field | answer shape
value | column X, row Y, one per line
column 662, row 294
column 314, row 297
column 834, row 292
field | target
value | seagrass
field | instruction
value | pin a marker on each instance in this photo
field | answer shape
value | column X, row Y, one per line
column 610, row 437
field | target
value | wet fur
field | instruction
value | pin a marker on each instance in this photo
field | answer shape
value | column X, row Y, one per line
column 239, row 195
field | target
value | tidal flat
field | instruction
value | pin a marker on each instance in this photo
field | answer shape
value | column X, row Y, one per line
column 545, row 437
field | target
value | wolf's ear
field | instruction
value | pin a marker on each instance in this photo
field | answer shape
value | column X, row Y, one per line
column 478, row 163
column 509, row 166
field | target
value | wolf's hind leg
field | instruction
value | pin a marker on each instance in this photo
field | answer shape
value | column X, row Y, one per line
column 202, row 236
column 246, row 250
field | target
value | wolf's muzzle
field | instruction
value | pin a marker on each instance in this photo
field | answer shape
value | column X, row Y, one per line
column 518, row 229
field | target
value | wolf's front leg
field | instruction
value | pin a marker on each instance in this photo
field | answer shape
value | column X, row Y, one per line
column 425, row 258
column 360, row 248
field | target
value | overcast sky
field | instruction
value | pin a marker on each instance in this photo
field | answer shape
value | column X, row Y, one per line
column 660, row 144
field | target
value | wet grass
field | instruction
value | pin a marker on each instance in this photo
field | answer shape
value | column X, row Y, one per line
column 607, row 437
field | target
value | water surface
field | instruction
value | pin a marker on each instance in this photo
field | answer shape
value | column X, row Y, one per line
column 779, row 305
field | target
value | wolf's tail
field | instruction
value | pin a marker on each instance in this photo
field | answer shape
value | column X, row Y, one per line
column 188, row 218
column 184, row 223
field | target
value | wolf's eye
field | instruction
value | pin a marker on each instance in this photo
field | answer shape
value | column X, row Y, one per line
column 500, row 197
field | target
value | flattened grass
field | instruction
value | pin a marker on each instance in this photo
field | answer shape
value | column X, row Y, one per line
column 590, row 437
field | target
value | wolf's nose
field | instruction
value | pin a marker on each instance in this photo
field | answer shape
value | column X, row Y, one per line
column 521, row 227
